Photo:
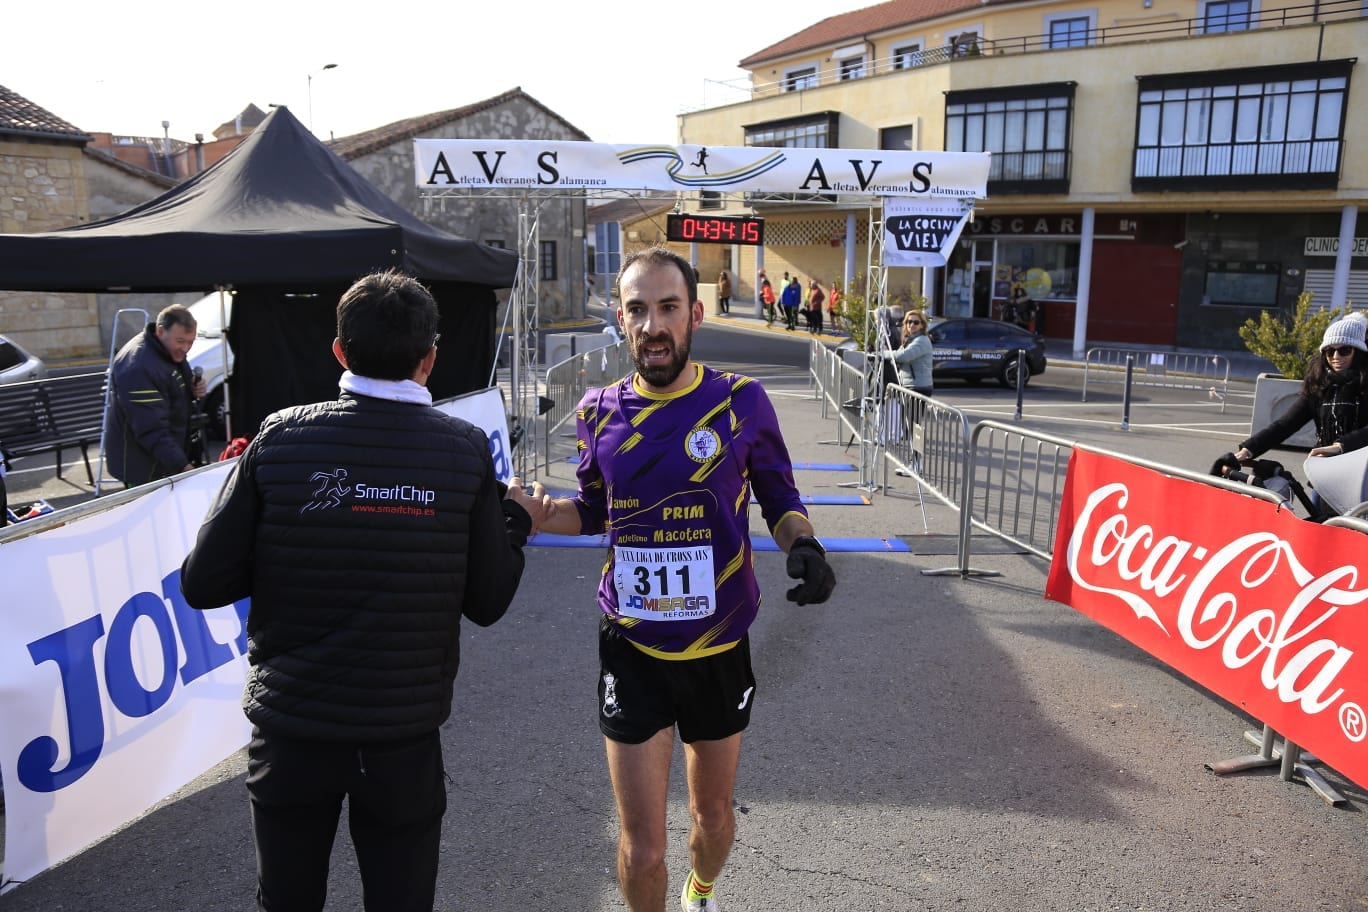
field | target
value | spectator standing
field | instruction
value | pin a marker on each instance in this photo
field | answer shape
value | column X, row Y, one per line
column 147, row 425
column 834, row 305
column 724, row 292
column 791, row 299
column 673, row 644
column 767, row 298
column 1021, row 310
column 816, row 301
column 913, row 356
column 362, row 529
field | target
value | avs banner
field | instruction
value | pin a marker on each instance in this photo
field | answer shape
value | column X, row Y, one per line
column 494, row 164
column 114, row 692
column 1268, row 611
column 922, row 232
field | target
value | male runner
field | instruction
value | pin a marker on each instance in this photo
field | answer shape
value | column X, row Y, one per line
column 669, row 458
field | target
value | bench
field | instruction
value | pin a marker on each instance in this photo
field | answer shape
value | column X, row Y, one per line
column 48, row 416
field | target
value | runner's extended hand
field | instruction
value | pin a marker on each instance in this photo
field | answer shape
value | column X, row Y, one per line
column 807, row 562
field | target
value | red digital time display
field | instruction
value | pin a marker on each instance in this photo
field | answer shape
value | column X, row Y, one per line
column 715, row 229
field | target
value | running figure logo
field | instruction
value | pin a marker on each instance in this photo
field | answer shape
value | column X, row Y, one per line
column 702, row 160
column 610, row 703
column 329, row 494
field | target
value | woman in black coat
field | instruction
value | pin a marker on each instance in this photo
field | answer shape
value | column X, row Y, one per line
column 1334, row 396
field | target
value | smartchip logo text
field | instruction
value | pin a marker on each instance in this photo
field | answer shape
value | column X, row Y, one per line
column 402, row 499
column 404, row 493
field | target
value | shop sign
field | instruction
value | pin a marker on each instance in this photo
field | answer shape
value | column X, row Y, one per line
column 1329, row 246
column 1110, row 225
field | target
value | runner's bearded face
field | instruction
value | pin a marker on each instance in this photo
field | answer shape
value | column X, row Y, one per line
column 658, row 320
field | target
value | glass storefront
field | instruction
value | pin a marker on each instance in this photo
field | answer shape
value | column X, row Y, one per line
column 984, row 273
column 1047, row 269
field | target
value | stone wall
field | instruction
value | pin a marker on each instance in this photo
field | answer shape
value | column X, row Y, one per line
column 43, row 188
column 489, row 218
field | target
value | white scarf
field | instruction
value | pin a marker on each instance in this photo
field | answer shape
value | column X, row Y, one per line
column 394, row 390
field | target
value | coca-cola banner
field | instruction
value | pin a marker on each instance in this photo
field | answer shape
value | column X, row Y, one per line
column 1266, row 610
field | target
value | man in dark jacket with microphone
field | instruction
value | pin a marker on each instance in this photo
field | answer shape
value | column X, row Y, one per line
column 147, row 426
column 363, row 529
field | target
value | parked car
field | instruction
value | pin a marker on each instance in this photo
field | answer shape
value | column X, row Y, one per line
column 17, row 365
column 209, row 352
column 974, row 349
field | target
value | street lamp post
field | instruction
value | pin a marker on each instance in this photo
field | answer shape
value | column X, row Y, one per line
column 326, row 66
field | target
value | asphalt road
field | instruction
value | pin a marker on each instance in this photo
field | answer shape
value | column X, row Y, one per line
column 919, row 743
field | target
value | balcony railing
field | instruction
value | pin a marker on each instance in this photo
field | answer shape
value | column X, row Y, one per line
column 972, row 47
column 1029, row 172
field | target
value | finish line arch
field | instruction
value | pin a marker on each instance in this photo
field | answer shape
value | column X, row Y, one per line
column 535, row 171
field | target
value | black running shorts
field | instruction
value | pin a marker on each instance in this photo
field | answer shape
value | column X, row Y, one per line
column 708, row 698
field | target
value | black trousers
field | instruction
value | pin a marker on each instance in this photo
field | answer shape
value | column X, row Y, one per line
column 396, row 797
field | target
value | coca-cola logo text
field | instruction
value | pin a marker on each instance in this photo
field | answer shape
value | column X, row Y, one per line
column 1226, row 597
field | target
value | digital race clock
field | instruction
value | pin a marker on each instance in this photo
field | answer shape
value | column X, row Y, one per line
column 715, row 229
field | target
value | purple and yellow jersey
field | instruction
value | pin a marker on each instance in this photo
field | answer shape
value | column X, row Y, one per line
column 670, row 476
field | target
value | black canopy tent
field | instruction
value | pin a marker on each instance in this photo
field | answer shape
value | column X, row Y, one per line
column 289, row 225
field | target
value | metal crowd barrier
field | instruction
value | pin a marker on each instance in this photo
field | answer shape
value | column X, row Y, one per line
column 568, row 381
column 1009, row 483
column 928, row 441
column 1015, row 485
column 845, row 391
column 817, row 368
column 1171, row 370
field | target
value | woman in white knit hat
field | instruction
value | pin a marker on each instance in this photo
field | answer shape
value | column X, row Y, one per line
column 1334, row 395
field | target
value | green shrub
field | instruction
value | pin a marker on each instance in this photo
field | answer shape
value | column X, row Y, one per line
column 1290, row 344
column 854, row 316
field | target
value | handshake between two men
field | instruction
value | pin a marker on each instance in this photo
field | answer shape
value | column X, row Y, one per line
column 539, row 505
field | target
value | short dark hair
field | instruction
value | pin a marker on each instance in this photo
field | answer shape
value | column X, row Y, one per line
column 659, row 255
column 387, row 323
column 176, row 315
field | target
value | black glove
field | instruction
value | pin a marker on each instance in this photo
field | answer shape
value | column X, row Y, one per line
column 807, row 562
column 1224, row 465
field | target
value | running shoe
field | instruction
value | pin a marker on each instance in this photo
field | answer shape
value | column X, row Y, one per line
column 696, row 905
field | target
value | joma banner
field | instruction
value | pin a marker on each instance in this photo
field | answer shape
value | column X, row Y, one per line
column 1264, row 609
column 114, row 691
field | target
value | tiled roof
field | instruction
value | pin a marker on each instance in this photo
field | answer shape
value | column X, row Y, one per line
column 630, row 210
column 19, row 115
column 837, row 30
column 359, row 144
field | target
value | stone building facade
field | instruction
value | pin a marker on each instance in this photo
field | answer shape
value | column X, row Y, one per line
column 384, row 156
column 50, row 179
column 42, row 188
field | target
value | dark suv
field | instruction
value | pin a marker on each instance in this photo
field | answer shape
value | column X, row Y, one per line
column 974, row 349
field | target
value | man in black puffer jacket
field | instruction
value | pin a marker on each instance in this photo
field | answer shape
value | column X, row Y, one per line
column 362, row 529
column 147, row 426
